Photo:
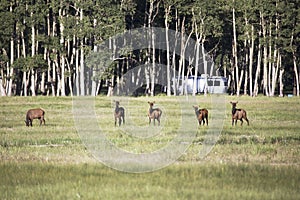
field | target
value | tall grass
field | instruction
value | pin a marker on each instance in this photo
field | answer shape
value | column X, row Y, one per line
column 260, row 161
column 185, row 181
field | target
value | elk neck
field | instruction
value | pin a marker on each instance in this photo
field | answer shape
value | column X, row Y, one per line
column 233, row 110
column 151, row 109
column 197, row 112
column 117, row 109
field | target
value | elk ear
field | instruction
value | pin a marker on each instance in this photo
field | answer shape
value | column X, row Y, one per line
column 231, row 102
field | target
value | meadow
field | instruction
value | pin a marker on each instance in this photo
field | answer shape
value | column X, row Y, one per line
column 260, row 161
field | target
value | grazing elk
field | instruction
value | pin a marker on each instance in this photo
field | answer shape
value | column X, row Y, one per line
column 35, row 114
column 119, row 114
column 238, row 114
column 201, row 115
column 154, row 113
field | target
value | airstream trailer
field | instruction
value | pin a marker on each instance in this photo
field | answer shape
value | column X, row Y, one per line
column 215, row 84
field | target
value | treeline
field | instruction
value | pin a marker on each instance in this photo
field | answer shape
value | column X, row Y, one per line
column 44, row 43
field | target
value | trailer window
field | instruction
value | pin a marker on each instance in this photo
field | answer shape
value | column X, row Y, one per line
column 210, row 83
column 217, row 83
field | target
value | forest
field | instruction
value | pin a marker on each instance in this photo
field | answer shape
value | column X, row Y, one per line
column 44, row 44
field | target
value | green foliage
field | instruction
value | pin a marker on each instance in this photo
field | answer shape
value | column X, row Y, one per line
column 101, row 62
column 6, row 23
column 89, row 23
column 36, row 62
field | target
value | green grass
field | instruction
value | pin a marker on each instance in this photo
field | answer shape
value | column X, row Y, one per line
column 184, row 181
column 260, row 161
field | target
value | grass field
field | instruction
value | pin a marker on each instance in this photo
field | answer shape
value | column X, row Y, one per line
column 260, row 161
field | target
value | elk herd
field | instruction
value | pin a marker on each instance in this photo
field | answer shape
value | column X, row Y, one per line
column 153, row 114
column 201, row 114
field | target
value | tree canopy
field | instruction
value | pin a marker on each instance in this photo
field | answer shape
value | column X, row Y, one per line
column 45, row 44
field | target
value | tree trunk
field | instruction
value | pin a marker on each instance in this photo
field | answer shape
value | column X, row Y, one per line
column 167, row 10
column 94, row 84
column 234, row 53
column 182, row 57
column 32, row 88
column 196, row 67
column 82, row 70
column 10, row 71
column 24, row 82
column 251, row 62
column 296, row 73
column 281, row 86
column 257, row 74
column 77, row 72
column 153, row 72
column 265, row 56
column 62, row 57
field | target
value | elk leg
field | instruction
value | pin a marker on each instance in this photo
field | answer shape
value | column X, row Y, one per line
column 115, row 121
column 247, row 121
column 42, row 120
column 206, row 121
column 241, row 121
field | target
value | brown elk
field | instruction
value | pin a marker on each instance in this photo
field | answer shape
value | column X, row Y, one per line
column 154, row 113
column 201, row 114
column 119, row 114
column 35, row 114
column 238, row 114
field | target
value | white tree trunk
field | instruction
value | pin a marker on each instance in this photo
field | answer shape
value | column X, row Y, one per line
column 82, row 69
column 153, row 72
column 32, row 88
column 11, row 69
column 251, row 61
column 24, row 55
column 234, row 53
column 62, row 57
column 281, row 86
column 257, row 73
column 296, row 73
column 196, row 67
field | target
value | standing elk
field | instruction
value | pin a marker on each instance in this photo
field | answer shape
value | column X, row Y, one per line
column 201, row 115
column 119, row 114
column 238, row 114
column 154, row 113
column 35, row 114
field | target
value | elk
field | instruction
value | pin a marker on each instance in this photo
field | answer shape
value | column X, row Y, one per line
column 35, row 114
column 119, row 114
column 201, row 115
column 154, row 113
column 238, row 114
